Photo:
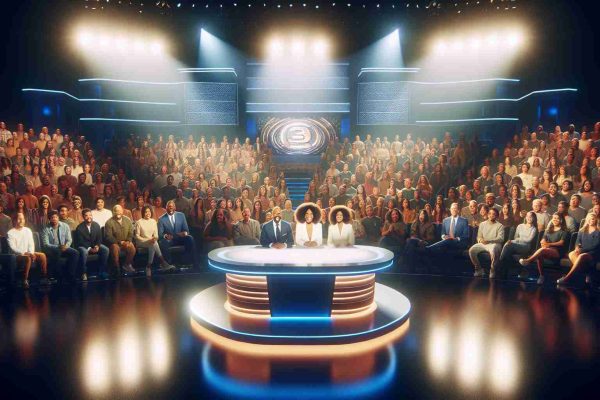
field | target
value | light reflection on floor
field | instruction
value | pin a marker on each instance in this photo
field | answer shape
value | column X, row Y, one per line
column 133, row 339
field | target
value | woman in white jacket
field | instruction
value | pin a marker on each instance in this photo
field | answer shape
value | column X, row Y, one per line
column 309, row 231
column 340, row 231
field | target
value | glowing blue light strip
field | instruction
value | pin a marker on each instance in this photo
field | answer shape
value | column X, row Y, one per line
column 242, row 389
column 98, row 100
column 264, row 63
column 343, row 335
column 298, row 112
column 450, row 82
column 341, row 272
column 150, row 121
column 467, row 120
column 490, row 100
column 307, row 319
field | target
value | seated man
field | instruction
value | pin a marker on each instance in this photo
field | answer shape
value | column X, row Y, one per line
column 173, row 231
column 455, row 233
column 118, row 233
column 56, row 243
column 88, row 240
column 20, row 243
column 246, row 231
column 372, row 225
column 276, row 233
column 490, row 237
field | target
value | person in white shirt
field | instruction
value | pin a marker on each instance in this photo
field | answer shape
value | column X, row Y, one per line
column 340, row 231
column 309, row 230
column 100, row 214
column 20, row 242
column 525, row 176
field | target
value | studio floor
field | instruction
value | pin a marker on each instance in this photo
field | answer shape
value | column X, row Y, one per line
column 467, row 338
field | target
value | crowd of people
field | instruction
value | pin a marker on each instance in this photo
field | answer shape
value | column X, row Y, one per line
column 419, row 198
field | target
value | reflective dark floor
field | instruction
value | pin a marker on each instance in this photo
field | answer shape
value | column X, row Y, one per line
column 467, row 339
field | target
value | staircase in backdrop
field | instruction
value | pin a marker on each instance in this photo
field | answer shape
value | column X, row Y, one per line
column 299, row 170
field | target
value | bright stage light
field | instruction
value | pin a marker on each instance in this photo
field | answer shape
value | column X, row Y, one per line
column 157, row 48
column 492, row 39
column 440, row 47
column 275, row 47
column 458, row 45
column 298, row 47
column 475, row 43
column 121, row 44
column 320, row 47
column 84, row 39
column 104, row 41
column 515, row 39
column 139, row 46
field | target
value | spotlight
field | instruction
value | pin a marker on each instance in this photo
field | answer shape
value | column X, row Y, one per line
column 298, row 47
column 475, row 43
column 121, row 44
column 515, row 39
column 83, row 39
column 275, row 48
column 157, row 48
column 320, row 47
column 139, row 46
column 440, row 47
column 458, row 45
column 492, row 39
column 104, row 42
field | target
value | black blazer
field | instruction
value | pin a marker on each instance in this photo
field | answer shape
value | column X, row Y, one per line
column 85, row 238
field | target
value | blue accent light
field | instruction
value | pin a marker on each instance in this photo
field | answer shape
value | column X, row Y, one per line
column 46, row 111
column 308, row 272
column 149, row 121
column 490, row 100
column 97, row 100
column 442, row 121
column 240, row 389
column 553, row 111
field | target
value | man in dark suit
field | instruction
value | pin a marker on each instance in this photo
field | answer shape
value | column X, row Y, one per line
column 277, row 233
column 173, row 231
column 88, row 240
column 455, row 233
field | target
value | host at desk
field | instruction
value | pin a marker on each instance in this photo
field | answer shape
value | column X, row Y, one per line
column 277, row 233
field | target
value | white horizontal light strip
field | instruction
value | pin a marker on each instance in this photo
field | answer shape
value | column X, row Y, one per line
column 388, row 70
column 490, row 100
column 207, row 70
column 150, row 121
column 284, row 88
column 285, row 104
column 466, row 120
column 296, row 112
column 450, row 82
column 128, row 81
column 264, row 63
column 98, row 100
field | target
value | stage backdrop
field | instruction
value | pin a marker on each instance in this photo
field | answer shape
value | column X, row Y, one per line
column 298, row 135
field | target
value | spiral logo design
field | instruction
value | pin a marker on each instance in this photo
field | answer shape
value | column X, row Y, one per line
column 298, row 135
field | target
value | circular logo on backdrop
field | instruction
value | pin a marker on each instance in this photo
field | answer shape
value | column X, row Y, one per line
column 298, row 135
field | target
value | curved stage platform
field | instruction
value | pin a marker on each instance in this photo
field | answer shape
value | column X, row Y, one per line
column 285, row 301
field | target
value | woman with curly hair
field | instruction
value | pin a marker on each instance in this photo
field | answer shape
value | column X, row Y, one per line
column 340, row 232
column 309, row 231
column 394, row 230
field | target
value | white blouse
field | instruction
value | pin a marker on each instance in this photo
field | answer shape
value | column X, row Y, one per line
column 343, row 238
column 302, row 234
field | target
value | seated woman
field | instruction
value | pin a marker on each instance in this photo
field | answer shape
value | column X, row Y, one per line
column 553, row 245
column 422, row 233
column 394, row 230
column 145, row 233
column 340, row 232
column 219, row 231
column 309, row 231
column 587, row 249
column 525, row 234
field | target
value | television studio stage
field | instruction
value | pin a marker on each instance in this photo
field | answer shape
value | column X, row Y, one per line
column 299, row 297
